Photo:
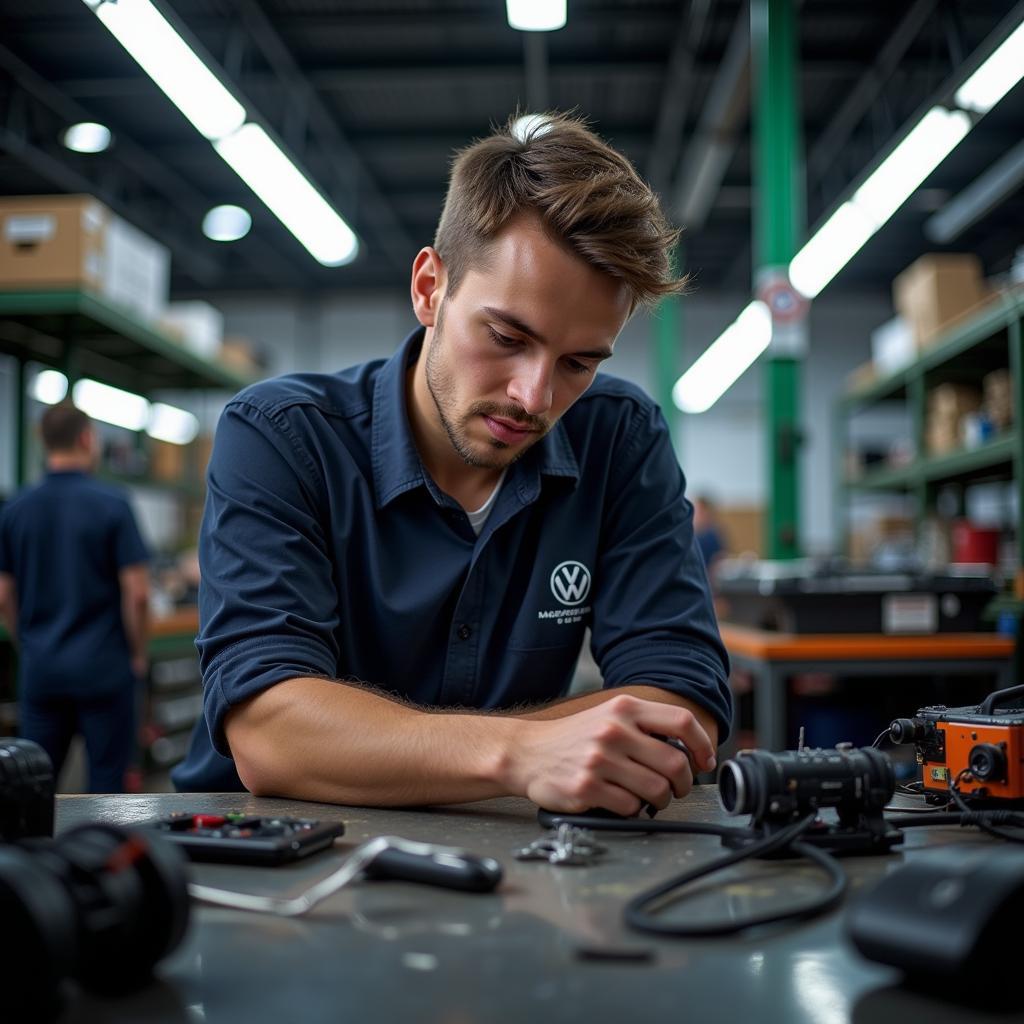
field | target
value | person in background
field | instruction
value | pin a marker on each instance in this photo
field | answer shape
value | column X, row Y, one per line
column 74, row 598
column 707, row 531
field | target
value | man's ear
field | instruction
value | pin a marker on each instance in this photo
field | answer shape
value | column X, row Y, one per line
column 428, row 282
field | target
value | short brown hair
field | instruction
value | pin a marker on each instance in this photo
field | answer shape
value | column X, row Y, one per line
column 587, row 195
column 61, row 427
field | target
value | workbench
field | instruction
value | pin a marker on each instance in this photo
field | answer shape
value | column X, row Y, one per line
column 394, row 951
column 773, row 658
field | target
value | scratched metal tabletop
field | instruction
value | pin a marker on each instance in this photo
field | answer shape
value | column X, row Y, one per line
column 396, row 951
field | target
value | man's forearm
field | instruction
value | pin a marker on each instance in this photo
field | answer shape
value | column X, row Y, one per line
column 135, row 615
column 317, row 739
column 571, row 705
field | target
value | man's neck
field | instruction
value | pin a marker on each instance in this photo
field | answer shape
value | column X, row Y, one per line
column 68, row 462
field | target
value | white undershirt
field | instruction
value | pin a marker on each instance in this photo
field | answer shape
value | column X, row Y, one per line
column 479, row 517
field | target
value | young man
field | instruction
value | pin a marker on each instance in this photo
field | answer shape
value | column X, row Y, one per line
column 74, row 595
column 400, row 560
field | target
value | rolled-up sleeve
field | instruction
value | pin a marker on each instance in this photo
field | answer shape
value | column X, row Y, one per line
column 654, row 623
column 267, row 600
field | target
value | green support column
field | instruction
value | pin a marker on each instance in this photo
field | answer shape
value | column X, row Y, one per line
column 778, row 214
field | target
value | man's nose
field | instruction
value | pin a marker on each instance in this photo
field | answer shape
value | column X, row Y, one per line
column 531, row 387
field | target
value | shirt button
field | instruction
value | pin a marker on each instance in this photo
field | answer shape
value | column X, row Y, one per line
column 463, row 633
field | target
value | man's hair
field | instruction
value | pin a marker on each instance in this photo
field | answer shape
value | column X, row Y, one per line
column 61, row 427
column 587, row 196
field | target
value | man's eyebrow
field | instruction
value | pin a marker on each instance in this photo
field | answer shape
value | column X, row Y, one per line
column 524, row 328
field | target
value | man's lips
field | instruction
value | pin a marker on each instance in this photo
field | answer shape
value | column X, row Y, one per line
column 506, row 430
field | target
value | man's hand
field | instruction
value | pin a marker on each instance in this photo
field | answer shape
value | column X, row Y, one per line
column 608, row 756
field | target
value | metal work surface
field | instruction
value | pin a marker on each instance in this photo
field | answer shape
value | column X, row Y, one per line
column 390, row 951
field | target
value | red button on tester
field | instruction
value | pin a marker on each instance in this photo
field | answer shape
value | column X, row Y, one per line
column 207, row 820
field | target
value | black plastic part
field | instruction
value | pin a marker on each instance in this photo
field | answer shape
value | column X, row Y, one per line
column 450, row 869
column 26, row 790
column 987, row 762
column 270, row 840
column 950, row 918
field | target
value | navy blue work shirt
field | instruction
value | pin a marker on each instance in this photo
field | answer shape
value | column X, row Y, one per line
column 327, row 550
column 65, row 540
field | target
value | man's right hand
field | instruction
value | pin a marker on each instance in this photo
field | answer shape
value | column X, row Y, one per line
column 608, row 756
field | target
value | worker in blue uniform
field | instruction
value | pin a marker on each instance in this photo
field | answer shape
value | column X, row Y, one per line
column 400, row 560
column 74, row 597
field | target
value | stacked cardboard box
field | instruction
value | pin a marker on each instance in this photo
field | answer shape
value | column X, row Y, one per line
column 997, row 399
column 948, row 405
column 75, row 242
column 935, row 290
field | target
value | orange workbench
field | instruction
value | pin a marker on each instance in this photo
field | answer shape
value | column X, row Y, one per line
column 772, row 658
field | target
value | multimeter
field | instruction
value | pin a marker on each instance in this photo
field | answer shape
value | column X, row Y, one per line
column 237, row 838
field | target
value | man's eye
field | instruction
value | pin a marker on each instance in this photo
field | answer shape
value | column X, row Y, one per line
column 575, row 366
column 500, row 339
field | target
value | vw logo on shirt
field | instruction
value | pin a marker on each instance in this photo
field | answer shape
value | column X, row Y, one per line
column 570, row 582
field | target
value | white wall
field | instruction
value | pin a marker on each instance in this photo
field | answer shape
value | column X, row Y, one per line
column 722, row 451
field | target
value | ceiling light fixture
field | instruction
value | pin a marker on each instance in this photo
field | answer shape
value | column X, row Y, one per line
column 226, row 223
column 535, row 15
column 172, row 64
column 171, row 424
column 49, row 387
column 87, row 137
column 725, row 360
column 996, row 77
column 258, row 161
column 247, row 148
column 111, row 405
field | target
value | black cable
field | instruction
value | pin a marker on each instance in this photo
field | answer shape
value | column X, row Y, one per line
column 881, row 736
column 639, row 918
column 987, row 821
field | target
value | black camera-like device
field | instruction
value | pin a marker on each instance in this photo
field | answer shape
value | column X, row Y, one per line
column 779, row 789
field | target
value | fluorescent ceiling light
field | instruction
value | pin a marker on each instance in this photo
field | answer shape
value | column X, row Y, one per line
column 725, row 360
column 996, row 77
column 226, row 223
column 188, row 83
column 87, row 137
column 535, row 15
column 920, row 151
column 169, row 423
column 258, row 161
column 111, row 405
column 49, row 387
column 831, row 247
column 843, row 235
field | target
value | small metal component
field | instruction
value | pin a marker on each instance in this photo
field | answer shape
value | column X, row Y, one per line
column 800, row 739
column 566, row 845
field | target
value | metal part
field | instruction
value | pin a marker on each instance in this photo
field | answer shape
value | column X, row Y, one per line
column 564, row 845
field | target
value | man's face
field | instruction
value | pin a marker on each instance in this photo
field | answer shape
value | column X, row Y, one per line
column 518, row 343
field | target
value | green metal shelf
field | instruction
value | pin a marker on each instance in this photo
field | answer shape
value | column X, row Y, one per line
column 959, row 465
column 105, row 342
column 1002, row 313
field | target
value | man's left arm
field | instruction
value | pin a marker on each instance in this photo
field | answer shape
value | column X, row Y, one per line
column 654, row 632
column 9, row 606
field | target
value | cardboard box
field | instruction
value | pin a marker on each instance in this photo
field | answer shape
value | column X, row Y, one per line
column 997, row 398
column 237, row 354
column 197, row 325
column 75, row 242
column 167, row 462
column 936, row 289
column 953, row 400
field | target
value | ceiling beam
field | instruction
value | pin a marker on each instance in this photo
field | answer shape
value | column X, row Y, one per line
column 676, row 93
column 724, row 112
column 860, row 98
column 535, row 59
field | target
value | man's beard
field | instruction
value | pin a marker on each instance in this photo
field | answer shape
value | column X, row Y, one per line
column 442, row 390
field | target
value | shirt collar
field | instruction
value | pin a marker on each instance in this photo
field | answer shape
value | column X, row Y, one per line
column 397, row 467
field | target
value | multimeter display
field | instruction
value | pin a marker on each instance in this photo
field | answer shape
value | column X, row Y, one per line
column 236, row 838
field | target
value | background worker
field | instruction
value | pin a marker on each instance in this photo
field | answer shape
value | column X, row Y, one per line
column 74, row 596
